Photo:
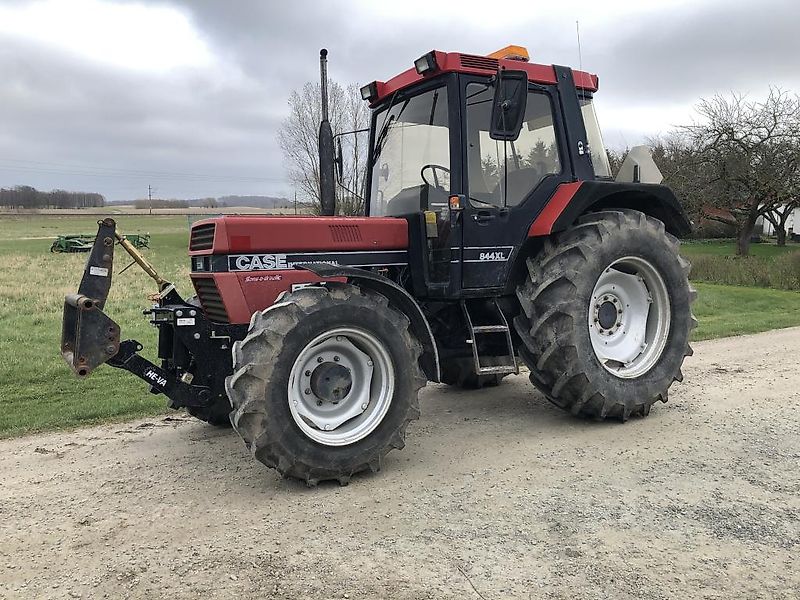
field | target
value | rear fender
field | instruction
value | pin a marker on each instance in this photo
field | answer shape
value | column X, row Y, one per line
column 399, row 298
column 571, row 200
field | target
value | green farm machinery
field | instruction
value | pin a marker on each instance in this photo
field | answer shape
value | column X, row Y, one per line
column 82, row 242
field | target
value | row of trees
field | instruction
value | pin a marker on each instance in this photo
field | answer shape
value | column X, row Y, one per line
column 738, row 162
column 147, row 203
column 25, row 196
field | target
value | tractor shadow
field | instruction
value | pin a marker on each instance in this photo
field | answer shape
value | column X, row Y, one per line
column 455, row 425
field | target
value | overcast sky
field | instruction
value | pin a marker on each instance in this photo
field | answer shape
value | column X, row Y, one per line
column 111, row 96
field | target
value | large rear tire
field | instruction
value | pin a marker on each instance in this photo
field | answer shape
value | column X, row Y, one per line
column 606, row 315
column 325, row 383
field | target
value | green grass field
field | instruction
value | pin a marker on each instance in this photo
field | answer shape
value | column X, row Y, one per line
column 38, row 391
column 728, row 248
column 767, row 266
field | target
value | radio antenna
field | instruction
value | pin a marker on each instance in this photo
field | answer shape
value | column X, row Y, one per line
column 578, row 33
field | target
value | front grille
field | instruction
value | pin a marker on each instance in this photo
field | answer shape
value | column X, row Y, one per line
column 345, row 233
column 202, row 237
column 479, row 62
column 210, row 299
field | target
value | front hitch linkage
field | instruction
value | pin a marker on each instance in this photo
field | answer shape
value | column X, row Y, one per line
column 90, row 338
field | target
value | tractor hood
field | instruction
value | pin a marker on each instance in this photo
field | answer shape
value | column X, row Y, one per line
column 249, row 234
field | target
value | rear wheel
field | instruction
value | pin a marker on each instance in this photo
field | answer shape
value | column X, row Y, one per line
column 606, row 315
column 325, row 383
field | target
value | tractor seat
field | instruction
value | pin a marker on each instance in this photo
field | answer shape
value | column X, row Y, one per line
column 520, row 183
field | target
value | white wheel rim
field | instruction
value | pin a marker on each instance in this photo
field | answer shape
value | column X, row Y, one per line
column 629, row 317
column 341, row 386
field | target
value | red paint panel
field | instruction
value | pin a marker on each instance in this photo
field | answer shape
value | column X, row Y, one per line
column 543, row 224
column 305, row 233
column 451, row 62
column 262, row 288
column 231, row 295
column 245, row 293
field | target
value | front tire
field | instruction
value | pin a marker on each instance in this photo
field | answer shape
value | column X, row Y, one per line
column 325, row 383
column 606, row 315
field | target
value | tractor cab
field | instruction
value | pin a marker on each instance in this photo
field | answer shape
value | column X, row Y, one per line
column 470, row 149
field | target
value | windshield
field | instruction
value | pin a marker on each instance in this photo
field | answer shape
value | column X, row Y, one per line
column 411, row 155
column 596, row 147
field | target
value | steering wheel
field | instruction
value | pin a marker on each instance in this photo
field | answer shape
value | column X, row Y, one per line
column 433, row 169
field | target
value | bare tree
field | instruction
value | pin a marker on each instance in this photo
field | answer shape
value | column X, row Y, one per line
column 615, row 159
column 778, row 217
column 745, row 156
column 679, row 163
column 297, row 138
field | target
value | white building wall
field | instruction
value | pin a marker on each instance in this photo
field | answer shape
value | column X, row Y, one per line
column 792, row 223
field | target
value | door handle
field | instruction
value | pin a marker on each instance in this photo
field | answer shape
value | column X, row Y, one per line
column 483, row 216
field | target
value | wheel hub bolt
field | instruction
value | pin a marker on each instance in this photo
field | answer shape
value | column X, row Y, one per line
column 307, row 373
column 363, row 407
column 319, row 359
column 307, row 391
column 369, row 363
column 335, row 359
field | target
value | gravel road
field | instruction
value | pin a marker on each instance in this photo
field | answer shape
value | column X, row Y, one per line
column 496, row 495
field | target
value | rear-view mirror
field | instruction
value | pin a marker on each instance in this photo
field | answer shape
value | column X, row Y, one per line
column 508, row 108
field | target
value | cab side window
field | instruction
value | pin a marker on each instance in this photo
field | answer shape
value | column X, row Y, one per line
column 504, row 173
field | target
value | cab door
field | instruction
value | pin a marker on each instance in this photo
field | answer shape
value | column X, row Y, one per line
column 412, row 176
column 506, row 183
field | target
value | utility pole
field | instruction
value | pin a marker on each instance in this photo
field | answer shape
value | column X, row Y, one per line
column 295, row 202
column 150, row 198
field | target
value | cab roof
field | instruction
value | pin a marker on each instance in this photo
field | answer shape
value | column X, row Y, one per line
column 449, row 62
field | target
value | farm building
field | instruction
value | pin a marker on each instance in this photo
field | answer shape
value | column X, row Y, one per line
column 792, row 225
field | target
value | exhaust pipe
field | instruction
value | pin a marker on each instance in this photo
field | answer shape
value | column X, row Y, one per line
column 327, row 177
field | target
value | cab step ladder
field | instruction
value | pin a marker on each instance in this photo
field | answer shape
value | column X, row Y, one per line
column 501, row 327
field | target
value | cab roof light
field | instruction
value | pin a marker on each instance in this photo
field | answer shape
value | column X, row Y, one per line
column 519, row 53
column 370, row 92
column 426, row 64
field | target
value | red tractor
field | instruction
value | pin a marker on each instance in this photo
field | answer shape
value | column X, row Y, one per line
column 494, row 233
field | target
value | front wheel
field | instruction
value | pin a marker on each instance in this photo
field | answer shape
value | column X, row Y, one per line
column 325, row 383
column 606, row 315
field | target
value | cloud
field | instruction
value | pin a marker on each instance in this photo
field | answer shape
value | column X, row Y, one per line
column 70, row 115
column 654, row 69
column 126, row 35
column 208, row 107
